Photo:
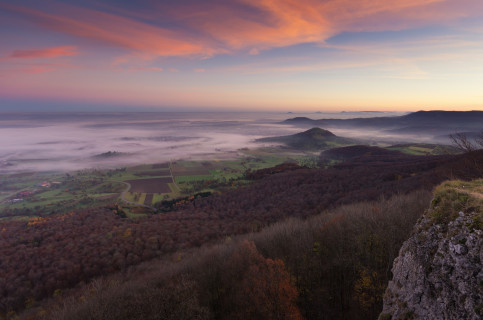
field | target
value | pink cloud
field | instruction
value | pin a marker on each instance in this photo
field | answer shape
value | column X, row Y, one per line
column 208, row 28
column 287, row 22
column 116, row 31
column 146, row 69
column 199, row 70
column 63, row 51
column 38, row 69
column 26, row 69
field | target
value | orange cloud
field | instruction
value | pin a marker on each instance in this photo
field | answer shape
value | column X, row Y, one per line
column 116, row 31
column 280, row 23
column 213, row 27
column 277, row 24
column 63, row 51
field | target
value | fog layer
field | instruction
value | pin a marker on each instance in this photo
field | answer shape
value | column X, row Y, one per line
column 71, row 141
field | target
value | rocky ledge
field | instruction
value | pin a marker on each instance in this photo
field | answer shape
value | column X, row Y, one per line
column 438, row 274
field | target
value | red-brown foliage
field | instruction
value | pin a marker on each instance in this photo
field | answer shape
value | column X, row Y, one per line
column 41, row 256
column 258, row 288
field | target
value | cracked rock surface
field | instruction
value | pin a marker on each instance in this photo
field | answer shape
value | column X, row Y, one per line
column 438, row 274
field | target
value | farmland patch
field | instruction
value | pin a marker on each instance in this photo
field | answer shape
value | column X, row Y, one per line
column 154, row 185
column 160, row 166
column 149, row 199
column 193, row 178
column 184, row 171
column 153, row 173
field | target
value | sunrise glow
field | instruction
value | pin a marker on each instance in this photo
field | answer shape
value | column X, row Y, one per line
column 285, row 55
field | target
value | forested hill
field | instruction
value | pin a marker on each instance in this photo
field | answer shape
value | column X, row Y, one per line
column 351, row 152
column 429, row 122
column 312, row 139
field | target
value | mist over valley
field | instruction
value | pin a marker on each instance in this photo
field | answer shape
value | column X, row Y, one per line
column 71, row 141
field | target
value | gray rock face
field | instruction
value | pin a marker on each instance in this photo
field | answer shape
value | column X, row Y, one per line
column 438, row 274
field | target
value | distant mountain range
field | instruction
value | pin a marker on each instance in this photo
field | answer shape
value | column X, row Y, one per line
column 435, row 123
column 312, row 139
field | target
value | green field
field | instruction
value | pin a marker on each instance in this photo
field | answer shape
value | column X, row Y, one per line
column 424, row 149
column 29, row 194
column 181, row 179
column 22, row 195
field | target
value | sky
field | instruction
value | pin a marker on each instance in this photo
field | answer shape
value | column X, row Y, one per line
column 241, row 55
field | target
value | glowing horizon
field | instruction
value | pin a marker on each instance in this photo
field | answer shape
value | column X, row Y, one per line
column 264, row 55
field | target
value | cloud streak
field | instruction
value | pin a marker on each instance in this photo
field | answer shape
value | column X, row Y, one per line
column 63, row 51
column 115, row 31
column 211, row 27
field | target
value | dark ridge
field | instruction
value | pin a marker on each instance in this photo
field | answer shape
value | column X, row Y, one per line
column 345, row 153
column 437, row 116
column 427, row 122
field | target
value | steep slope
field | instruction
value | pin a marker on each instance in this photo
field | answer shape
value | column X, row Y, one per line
column 438, row 274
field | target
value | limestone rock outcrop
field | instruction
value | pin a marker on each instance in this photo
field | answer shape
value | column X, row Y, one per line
column 438, row 273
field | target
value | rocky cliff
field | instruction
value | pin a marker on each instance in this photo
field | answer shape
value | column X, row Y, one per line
column 438, row 274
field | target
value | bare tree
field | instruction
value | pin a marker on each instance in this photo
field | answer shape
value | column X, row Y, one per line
column 462, row 142
column 479, row 139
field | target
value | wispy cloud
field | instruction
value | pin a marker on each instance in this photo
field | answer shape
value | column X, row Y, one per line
column 116, row 31
column 208, row 28
column 34, row 69
column 63, row 51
